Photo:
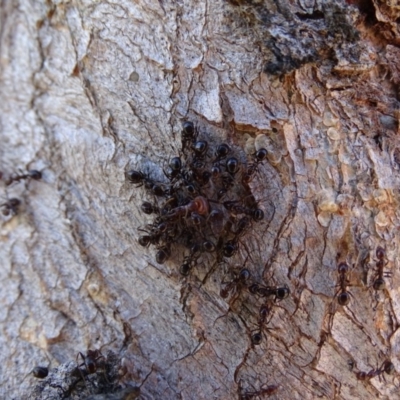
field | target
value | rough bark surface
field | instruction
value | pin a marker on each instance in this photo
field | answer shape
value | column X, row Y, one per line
column 90, row 89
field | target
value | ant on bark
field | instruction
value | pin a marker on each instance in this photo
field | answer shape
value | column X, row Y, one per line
column 40, row 372
column 30, row 174
column 342, row 295
column 379, row 283
column 236, row 284
column 139, row 179
column 279, row 292
column 264, row 312
column 387, row 367
column 253, row 168
column 266, row 391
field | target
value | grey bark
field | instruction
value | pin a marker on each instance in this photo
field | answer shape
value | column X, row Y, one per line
column 92, row 88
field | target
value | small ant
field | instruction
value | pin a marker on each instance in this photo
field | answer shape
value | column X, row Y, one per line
column 379, row 283
column 343, row 296
column 90, row 361
column 175, row 169
column 31, row 174
column 188, row 134
column 40, row 372
column 267, row 391
column 280, row 292
column 386, row 367
column 163, row 254
column 190, row 261
column 256, row 213
column 264, row 312
column 10, row 207
column 140, row 179
column 259, row 157
column 236, row 284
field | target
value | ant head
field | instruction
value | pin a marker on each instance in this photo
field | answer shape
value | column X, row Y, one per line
column 134, row 176
column 208, row 246
column 185, row 268
column 261, row 154
column 230, row 249
column 35, row 174
column 200, row 147
column 162, row 255
column 244, row 274
column 175, row 164
column 188, row 129
column 147, row 207
column 222, row 151
column 40, row 372
column 232, row 165
column 144, row 240
column 380, row 253
column 388, row 367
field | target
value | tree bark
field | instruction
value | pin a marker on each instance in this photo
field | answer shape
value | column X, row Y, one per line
column 91, row 89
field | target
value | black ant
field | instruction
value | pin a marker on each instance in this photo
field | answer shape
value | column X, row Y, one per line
column 387, row 367
column 140, row 179
column 379, row 283
column 163, row 254
column 279, row 292
column 343, row 296
column 175, row 167
column 256, row 213
column 222, row 151
column 263, row 314
column 190, row 261
column 10, row 207
column 188, row 134
column 236, row 284
column 267, row 391
column 90, row 361
column 40, row 372
column 31, row 174
column 251, row 170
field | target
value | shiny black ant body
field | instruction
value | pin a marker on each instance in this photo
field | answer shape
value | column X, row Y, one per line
column 387, row 367
column 252, row 168
column 190, row 261
column 236, row 284
column 263, row 314
column 90, row 361
column 279, row 292
column 188, row 135
column 140, row 179
column 31, row 174
column 343, row 296
column 379, row 283
column 40, row 372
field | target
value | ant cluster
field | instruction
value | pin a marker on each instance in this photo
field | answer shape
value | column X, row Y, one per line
column 96, row 373
column 206, row 205
column 11, row 206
